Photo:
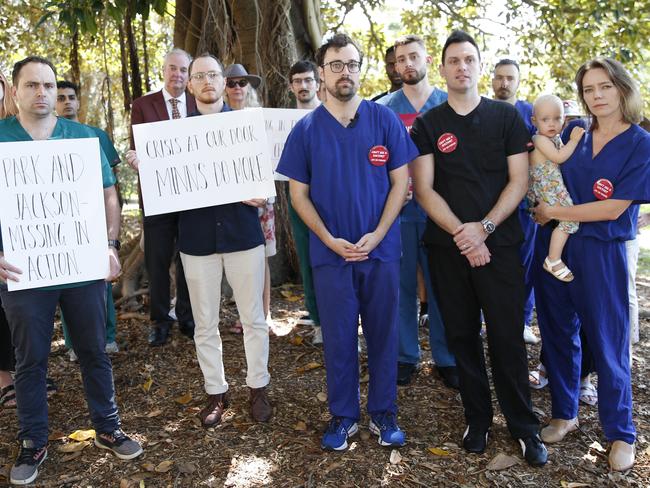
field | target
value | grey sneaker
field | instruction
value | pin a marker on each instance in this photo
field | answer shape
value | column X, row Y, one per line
column 29, row 459
column 317, row 338
column 112, row 348
column 72, row 355
column 121, row 444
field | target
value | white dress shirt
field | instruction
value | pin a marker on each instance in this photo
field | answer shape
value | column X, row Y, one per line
column 182, row 104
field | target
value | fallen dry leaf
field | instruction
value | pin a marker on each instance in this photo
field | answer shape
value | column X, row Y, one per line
column 300, row 425
column 296, row 340
column 501, row 461
column 147, row 385
column 71, row 456
column 185, row 399
column 437, row 451
column 395, row 457
column 154, row 413
column 164, row 466
column 74, row 446
column 82, row 435
column 124, row 483
column 187, row 468
column 141, row 484
column 148, row 467
column 365, row 435
column 286, row 293
column 571, row 484
column 322, row 396
column 57, row 435
column 309, row 367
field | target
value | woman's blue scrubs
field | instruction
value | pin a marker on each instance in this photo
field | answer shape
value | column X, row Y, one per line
column 597, row 298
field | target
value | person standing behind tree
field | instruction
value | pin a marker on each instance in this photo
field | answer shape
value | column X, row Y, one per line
column 416, row 96
column 161, row 231
column 304, row 83
column 478, row 148
column 67, row 106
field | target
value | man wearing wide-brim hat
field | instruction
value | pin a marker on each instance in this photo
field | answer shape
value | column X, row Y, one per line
column 237, row 71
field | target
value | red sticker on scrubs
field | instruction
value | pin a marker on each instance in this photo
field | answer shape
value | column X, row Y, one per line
column 603, row 189
column 447, row 142
column 378, row 155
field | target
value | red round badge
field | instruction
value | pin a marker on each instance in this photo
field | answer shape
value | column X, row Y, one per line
column 378, row 155
column 603, row 189
column 447, row 142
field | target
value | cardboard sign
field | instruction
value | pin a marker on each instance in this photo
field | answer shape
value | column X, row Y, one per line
column 52, row 211
column 203, row 161
column 279, row 122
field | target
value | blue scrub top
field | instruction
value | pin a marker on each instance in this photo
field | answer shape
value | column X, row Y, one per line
column 412, row 212
column 348, row 192
column 525, row 109
column 625, row 162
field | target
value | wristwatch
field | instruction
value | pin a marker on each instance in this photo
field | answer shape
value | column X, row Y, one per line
column 488, row 226
column 114, row 243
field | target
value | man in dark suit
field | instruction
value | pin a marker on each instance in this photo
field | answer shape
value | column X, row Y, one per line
column 161, row 231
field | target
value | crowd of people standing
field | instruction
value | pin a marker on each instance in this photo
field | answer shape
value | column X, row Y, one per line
column 405, row 210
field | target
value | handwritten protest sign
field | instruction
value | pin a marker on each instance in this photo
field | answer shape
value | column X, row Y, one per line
column 52, row 211
column 203, row 161
column 278, row 123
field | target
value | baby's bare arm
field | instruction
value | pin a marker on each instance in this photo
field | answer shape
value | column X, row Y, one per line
column 546, row 146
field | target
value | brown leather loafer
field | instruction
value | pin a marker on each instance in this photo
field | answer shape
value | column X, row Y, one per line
column 261, row 409
column 211, row 414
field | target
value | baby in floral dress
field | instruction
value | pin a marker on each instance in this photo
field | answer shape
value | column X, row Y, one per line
column 545, row 177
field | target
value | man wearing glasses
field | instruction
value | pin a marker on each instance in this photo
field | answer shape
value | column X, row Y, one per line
column 213, row 241
column 348, row 179
column 161, row 231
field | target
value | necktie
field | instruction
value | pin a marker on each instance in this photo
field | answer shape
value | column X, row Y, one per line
column 175, row 112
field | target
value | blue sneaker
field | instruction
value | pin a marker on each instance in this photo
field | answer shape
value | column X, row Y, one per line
column 337, row 434
column 385, row 426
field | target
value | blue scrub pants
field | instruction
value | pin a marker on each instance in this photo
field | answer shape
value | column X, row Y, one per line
column 414, row 253
column 527, row 249
column 597, row 298
column 30, row 314
column 370, row 289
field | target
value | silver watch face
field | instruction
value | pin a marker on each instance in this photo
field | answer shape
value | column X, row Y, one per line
column 489, row 226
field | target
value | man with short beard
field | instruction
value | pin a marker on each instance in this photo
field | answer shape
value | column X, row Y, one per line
column 348, row 179
column 213, row 241
column 391, row 72
column 416, row 96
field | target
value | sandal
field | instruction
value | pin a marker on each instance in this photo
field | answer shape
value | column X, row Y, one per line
column 8, row 397
column 588, row 392
column 537, row 379
column 236, row 328
column 562, row 274
column 51, row 387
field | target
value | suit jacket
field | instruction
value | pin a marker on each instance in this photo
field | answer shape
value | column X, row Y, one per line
column 152, row 108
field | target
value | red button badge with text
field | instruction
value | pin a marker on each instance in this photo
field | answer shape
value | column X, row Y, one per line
column 447, row 142
column 378, row 155
column 603, row 189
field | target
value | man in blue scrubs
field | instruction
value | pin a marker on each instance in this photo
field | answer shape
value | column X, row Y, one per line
column 505, row 84
column 348, row 180
column 30, row 312
column 416, row 96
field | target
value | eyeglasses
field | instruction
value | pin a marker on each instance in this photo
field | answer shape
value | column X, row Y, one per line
column 232, row 83
column 201, row 76
column 337, row 66
column 301, row 81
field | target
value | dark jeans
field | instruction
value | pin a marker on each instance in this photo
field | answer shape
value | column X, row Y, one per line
column 160, row 233
column 7, row 360
column 31, row 319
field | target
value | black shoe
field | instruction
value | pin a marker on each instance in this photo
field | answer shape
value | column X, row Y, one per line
column 187, row 328
column 449, row 375
column 534, row 450
column 475, row 439
column 159, row 334
column 405, row 372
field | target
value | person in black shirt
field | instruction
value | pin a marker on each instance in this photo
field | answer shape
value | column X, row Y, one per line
column 478, row 149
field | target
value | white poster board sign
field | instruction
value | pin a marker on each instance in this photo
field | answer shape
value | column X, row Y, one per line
column 52, row 211
column 279, row 122
column 203, row 161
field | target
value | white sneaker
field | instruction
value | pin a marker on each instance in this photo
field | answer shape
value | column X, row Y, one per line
column 72, row 355
column 112, row 348
column 529, row 336
column 318, row 336
column 305, row 320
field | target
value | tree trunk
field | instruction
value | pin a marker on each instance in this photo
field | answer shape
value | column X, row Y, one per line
column 75, row 68
column 134, row 63
column 181, row 21
column 145, row 57
column 126, row 87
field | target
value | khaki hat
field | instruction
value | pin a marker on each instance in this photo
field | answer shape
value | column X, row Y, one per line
column 238, row 71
